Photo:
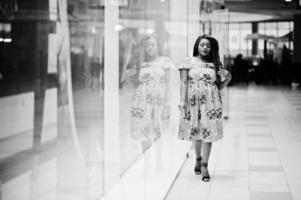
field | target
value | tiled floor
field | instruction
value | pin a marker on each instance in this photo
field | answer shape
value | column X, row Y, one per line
column 259, row 157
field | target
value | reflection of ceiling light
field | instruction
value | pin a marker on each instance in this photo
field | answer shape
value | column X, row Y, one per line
column 1, row 39
column 288, row 0
column 118, row 27
column 150, row 31
column 93, row 30
column 162, row 1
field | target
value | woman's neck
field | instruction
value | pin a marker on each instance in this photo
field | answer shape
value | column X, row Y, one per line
column 204, row 58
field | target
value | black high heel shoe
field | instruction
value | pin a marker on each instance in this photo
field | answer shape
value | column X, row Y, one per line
column 206, row 176
column 197, row 167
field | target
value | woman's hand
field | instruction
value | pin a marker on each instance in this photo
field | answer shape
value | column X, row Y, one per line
column 225, row 78
column 225, row 75
column 128, row 74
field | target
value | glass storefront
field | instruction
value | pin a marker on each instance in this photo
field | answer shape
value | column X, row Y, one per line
column 279, row 32
column 69, row 72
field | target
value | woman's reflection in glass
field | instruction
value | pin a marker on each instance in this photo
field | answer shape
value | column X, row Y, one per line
column 150, row 108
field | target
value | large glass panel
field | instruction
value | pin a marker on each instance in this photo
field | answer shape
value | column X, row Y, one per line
column 85, row 20
column 220, row 30
column 271, row 29
column 246, row 29
column 283, row 28
column 51, row 113
column 140, row 21
column 234, row 39
column 69, row 76
column 238, row 34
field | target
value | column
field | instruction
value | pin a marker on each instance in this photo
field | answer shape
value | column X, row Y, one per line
column 297, row 49
column 111, row 96
column 254, row 42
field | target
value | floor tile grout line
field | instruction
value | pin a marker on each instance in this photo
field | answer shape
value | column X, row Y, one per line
column 248, row 155
column 269, row 129
column 177, row 175
column 215, row 166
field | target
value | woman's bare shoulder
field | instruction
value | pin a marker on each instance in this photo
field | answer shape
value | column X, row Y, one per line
column 186, row 63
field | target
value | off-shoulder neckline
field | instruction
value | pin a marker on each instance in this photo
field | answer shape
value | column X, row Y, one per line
column 155, row 64
column 200, row 62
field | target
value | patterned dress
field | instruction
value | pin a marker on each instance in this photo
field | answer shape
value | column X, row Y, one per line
column 202, row 118
column 149, row 110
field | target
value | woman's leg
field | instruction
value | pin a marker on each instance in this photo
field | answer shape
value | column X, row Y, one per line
column 206, row 154
column 198, row 148
column 198, row 155
column 206, row 151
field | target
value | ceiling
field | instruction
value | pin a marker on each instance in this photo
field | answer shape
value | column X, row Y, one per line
column 262, row 10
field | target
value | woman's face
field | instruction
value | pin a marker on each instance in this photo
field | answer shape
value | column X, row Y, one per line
column 151, row 47
column 204, row 47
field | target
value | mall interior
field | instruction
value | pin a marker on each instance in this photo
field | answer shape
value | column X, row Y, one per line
column 66, row 101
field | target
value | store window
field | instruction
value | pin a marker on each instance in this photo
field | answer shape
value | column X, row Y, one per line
column 69, row 74
column 239, row 43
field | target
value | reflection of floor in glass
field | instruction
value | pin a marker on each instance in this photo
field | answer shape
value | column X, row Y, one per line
column 71, row 165
column 130, row 149
column 151, row 176
column 60, row 168
column 53, row 171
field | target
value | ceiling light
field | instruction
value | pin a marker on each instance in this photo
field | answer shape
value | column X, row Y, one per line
column 7, row 40
column 287, row 2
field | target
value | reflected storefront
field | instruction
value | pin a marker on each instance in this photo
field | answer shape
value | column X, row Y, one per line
column 69, row 71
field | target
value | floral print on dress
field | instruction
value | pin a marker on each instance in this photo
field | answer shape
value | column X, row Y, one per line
column 149, row 110
column 204, row 105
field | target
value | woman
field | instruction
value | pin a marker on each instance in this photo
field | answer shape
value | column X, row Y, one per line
column 150, row 109
column 202, row 78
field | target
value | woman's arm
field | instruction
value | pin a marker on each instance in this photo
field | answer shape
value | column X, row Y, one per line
column 226, row 76
column 126, row 59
